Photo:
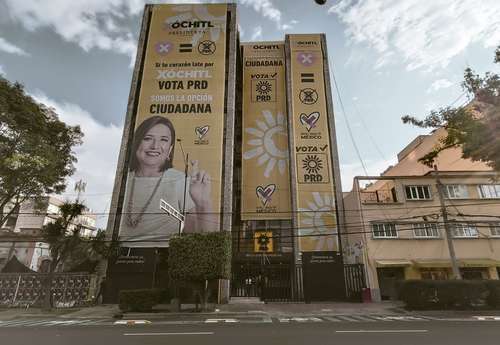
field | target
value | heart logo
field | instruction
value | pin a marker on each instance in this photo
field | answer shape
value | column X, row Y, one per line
column 309, row 121
column 264, row 193
column 201, row 131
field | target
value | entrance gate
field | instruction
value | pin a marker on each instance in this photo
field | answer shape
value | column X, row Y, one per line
column 270, row 282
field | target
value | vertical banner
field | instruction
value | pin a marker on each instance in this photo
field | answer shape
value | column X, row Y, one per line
column 178, row 124
column 310, row 135
column 265, row 164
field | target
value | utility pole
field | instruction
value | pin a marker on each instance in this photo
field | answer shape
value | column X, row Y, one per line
column 447, row 229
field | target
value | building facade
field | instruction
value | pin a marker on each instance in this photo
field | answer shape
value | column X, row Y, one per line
column 223, row 136
column 395, row 225
column 21, row 236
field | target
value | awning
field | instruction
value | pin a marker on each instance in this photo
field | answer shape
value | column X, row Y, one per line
column 478, row 263
column 432, row 263
column 461, row 262
column 392, row 263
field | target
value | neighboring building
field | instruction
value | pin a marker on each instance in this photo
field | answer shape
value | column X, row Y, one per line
column 395, row 226
column 20, row 233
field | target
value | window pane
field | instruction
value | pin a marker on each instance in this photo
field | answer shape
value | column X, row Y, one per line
column 408, row 192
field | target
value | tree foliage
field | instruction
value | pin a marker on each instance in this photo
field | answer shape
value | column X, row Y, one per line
column 195, row 259
column 475, row 127
column 66, row 243
column 199, row 257
column 35, row 148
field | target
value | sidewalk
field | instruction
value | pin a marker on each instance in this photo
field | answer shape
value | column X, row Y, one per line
column 94, row 312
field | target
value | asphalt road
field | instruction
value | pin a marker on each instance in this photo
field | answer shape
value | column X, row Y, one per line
column 373, row 333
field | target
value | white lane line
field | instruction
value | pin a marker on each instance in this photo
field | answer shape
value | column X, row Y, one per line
column 221, row 320
column 172, row 333
column 386, row 331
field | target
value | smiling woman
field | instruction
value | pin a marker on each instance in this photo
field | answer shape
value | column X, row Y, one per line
column 153, row 178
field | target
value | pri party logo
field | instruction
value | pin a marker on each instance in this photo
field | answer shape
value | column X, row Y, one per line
column 201, row 131
column 306, row 59
column 163, row 48
column 264, row 193
column 309, row 121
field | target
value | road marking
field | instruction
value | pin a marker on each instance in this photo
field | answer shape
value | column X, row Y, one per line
column 221, row 320
column 386, row 331
column 301, row 319
column 172, row 333
column 487, row 318
column 132, row 322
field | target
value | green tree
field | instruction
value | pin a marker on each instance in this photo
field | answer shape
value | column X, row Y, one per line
column 35, row 149
column 66, row 244
column 195, row 259
column 475, row 127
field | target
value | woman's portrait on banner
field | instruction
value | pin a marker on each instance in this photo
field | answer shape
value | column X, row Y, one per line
column 152, row 178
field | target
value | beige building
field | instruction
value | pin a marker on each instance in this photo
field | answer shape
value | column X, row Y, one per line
column 395, row 227
column 20, row 233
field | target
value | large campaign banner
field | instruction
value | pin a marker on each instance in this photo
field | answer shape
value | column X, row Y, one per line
column 265, row 184
column 314, row 182
column 179, row 123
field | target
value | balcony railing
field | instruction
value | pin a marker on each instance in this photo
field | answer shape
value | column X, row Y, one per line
column 382, row 196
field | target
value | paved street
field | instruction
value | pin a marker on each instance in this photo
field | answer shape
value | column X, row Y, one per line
column 352, row 333
column 193, row 319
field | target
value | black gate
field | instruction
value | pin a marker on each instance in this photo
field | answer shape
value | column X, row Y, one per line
column 270, row 282
column 246, row 280
column 355, row 282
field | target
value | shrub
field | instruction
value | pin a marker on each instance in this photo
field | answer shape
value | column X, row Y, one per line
column 450, row 294
column 493, row 299
column 141, row 300
column 417, row 294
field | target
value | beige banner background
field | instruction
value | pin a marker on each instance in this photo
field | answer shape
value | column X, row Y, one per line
column 183, row 80
column 314, row 179
column 265, row 164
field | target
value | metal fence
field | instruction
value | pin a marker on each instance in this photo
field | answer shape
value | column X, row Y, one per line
column 355, row 281
column 26, row 289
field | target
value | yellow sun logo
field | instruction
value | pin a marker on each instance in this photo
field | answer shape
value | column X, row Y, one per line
column 270, row 143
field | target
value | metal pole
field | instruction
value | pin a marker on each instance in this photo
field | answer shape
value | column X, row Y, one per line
column 186, row 166
column 449, row 239
column 185, row 187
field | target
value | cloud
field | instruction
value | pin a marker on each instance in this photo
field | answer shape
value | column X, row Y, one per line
column 350, row 170
column 89, row 23
column 10, row 48
column 257, row 33
column 267, row 9
column 425, row 34
column 439, row 84
column 97, row 156
column 2, row 71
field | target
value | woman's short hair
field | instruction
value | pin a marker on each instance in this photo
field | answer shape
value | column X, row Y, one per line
column 140, row 133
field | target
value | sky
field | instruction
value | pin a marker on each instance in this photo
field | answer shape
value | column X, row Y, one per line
column 388, row 58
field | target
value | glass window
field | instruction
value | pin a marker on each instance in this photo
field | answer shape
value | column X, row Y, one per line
column 495, row 229
column 425, row 230
column 455, row 191
column 418, row 192
column 384, row 230
column 464, row 230
column 489, row 191
column 434, row 273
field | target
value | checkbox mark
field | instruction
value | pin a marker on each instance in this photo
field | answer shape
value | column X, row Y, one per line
column 324, row 147
column 274, row 75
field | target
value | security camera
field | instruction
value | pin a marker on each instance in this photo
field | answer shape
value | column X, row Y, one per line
column 320, row 2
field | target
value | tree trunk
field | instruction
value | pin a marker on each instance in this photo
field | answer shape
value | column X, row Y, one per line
column 48, row 301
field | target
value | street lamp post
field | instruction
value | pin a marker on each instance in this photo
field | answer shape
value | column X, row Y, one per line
column 186, row 161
